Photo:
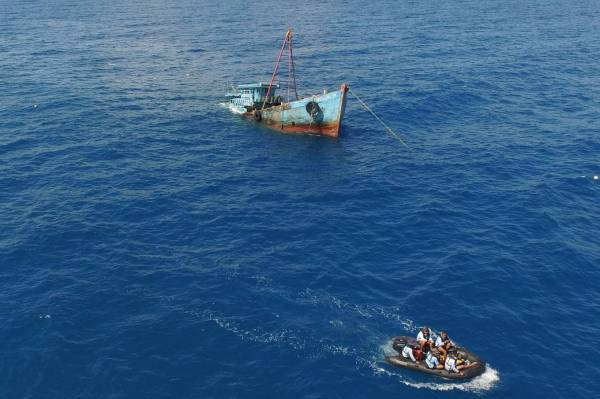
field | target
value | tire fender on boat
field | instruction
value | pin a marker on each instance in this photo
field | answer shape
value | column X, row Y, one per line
column 257, row 115
column 313, row 109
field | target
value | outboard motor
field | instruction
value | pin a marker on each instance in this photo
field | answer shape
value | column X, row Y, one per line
column 398, row 344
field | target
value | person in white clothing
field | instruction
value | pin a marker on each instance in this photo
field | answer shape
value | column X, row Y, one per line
column 432, row 360
column 424, row 338
column 443, row 343
column 452, row 366
column 407, row 352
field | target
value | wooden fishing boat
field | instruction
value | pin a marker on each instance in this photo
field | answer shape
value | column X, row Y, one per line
column 319, row 114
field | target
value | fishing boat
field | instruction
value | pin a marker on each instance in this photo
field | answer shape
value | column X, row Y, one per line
column 319, row 114
column 469, row 357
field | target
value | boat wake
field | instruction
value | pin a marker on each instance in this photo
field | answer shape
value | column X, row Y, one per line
column 484, row 382
column 343, row 315
column 231, row 108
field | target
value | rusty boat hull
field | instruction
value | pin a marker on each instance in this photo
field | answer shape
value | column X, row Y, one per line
column 319, row 114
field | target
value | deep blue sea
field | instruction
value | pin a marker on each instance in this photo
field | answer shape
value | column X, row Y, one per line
column 154, row 245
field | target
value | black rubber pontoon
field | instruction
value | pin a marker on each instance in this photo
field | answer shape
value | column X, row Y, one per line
column 421, row 366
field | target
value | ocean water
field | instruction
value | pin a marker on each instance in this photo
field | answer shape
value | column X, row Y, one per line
column 153, row 245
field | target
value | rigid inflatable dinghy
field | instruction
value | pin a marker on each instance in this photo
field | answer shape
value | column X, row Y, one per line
column 398, row 344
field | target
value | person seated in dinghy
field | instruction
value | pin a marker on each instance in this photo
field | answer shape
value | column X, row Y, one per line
column 433, row 359
column 424, row 339
column 455, row 363
column 413, row 353
column 443, row 343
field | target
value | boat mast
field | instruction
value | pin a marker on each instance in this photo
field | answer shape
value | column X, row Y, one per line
column 292, row 69
column 291, row 75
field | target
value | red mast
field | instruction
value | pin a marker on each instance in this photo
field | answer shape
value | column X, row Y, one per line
column 291, row 75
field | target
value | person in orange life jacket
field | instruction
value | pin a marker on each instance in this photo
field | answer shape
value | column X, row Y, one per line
column 424, row 338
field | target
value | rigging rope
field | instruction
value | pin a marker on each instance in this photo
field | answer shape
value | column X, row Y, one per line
column 291, row 69
column 387, row 128
column 285, row 40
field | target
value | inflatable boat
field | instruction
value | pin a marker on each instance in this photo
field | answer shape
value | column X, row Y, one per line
column 398, row 344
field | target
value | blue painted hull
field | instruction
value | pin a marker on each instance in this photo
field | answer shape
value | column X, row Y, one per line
column 319, row 114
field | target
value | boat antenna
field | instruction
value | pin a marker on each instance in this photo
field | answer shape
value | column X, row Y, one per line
column 286, row 40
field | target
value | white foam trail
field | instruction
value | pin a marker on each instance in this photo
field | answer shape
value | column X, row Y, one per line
column 366, row 311
column 259, row 335
column 484, row 382
column 231, row 108
column 480, row 384
column 388, row 349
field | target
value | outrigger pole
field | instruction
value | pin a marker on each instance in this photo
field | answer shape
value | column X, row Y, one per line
column 286, row 40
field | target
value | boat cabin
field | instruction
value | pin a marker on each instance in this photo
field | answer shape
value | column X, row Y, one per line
column 251, row 96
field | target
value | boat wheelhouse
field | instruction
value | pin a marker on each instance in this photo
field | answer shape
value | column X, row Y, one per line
column 248, row 97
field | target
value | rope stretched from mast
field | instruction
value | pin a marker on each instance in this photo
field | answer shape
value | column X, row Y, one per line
column 387, row 128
